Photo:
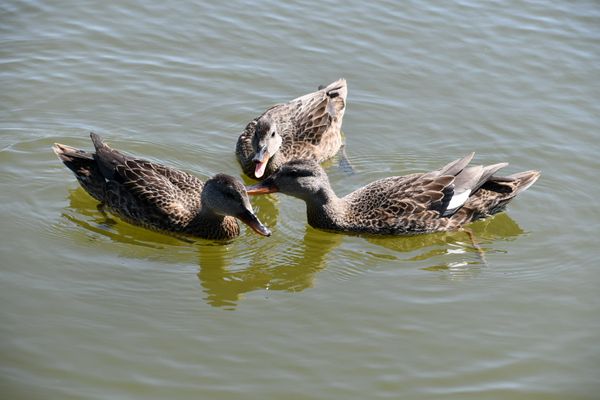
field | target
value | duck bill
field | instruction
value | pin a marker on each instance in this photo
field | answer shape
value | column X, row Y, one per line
column 265, row 187
column 250, row 219
column 261, row 159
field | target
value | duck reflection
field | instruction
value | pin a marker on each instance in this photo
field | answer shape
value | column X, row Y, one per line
column 290, row 266
column 460, row 253
column 85, row 212
column 500, row 226
column 228, row 270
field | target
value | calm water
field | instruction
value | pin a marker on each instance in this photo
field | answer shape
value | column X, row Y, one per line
column 95, row 308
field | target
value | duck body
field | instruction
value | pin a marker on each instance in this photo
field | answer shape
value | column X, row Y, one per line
column 307, row 127
column 159, row 197
column 441, row 200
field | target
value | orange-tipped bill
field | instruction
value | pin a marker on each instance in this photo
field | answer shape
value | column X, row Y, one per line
column 264, row 187
column 261, row 164
column 250, row 219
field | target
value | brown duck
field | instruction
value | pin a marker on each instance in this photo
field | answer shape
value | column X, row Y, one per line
column 159, row 197
column 307, row 127
column 441, row 200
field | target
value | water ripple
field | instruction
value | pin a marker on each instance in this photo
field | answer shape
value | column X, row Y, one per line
column 94, row 305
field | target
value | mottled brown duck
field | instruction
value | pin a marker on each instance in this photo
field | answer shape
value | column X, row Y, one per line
column 158, row 197
column 442, row 200
column 307, row 127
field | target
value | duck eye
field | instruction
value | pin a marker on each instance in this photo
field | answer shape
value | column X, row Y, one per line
column 273, row 134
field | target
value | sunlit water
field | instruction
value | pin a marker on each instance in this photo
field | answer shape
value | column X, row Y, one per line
column 95, row 308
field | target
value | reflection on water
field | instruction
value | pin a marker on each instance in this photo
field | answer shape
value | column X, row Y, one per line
column 498, row 227
column 83, row 211
column 462, row 253
column 293, row 271
column 96, row 306
column 227, row 270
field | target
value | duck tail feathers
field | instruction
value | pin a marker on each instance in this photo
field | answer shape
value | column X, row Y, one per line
column 488, row 172
column 335, row 89
column 455, row 167
column 84, row 166
column 524, row 180
column 73, row 158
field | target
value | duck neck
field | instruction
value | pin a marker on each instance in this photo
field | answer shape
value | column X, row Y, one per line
column 325, row 210
column 210, row 225
column 275, row 162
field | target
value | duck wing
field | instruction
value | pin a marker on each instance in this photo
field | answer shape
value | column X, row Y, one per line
column 318, row 112
column 143, row 190
column 400, row 204
column 419, row 203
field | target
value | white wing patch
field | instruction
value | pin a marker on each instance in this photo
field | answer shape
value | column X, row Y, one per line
column 458, row 200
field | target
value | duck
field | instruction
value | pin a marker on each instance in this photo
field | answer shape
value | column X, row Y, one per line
column 158, row 197
column 307, row 127
column 442, row 200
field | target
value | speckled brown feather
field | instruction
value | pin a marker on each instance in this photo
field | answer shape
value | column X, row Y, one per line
column 144, row 193
column 399, row 205
column 411, row 204
column 309, row 126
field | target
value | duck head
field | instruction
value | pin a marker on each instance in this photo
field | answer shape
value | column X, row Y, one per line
column 300, row 178
column 225, row 195
column 265, row 142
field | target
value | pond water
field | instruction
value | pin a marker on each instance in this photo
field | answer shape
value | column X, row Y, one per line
column 95, row 308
